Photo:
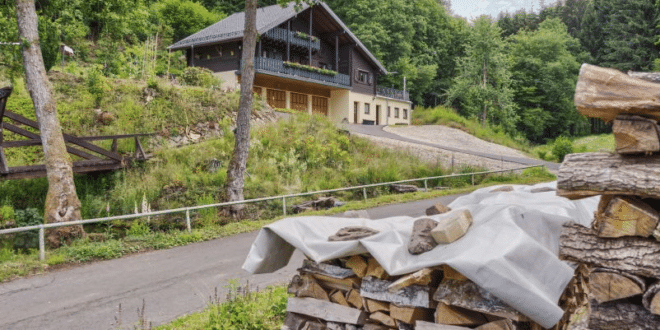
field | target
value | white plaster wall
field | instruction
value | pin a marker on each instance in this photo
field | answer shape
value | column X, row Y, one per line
column 229, row 79
column 339, row 107
column 383, row 103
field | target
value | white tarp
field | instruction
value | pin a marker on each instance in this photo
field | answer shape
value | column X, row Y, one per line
column 510, row 250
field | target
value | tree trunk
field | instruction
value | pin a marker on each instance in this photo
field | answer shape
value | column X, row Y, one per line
column 591, row 174
column 236, row 170
column 62, row 203
column 634, row 255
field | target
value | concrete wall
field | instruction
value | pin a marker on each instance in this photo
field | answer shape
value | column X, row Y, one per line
column 376, row 103
column 339, row 106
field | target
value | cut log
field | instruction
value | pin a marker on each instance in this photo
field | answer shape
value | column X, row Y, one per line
column 338, row 297
column 575, row 301
column 310, row 266
column 651, row 299
column 383, row 319
column 635, row 135
column 358, row 265
column 438, row 208
column 503, row 189
column 404, row 326
column 451, row 274
column 591, row 174
column 413, row 295
column 377, row 306
column 373, row 326
column 634, row 255
column 626, row 216
column 653, row 77
column 498, row 325
column 305, row 286
column 314, row 325
column 331, row 283
column 421, row 240
column 355, row 299
column 352, row 233
column 607, row 285
column 324, row 310
column 452, row 226
column 453, row 315
column 605, row 93
column 421, row 325
column 467, row 294
column 375, row 269
column 294, row 321
column 410, row 314
column 421, row 277
column 621, row 315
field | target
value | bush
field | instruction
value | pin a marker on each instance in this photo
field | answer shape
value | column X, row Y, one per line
column 138, row 229
column 202, row 77
column 6, row 214
column 562, row 147
column 28, row 239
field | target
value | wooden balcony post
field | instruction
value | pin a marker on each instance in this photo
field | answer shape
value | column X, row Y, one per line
column 288, row 41
column 337, row 53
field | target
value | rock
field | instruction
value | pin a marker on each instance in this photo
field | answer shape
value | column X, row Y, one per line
column 317, row 204
column 421, row 240
column 438, row 208
column 503, row 189
column 542, row 189
column 452, row 226
column 149, row 94
column 403, row 188
column 352, row 233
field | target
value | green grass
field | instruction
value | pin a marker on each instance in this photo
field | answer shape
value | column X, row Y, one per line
column 441, row 115
column 591, row 143
column 16, row 264
column 243, row 309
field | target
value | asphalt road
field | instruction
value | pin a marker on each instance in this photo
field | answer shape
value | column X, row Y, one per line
column 172, row 283
column 378, row 131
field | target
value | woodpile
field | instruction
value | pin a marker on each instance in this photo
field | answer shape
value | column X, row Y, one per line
column 355, row 292
column 620, row 254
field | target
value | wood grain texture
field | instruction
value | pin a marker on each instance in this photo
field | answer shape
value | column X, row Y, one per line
column 605, row 93
column 651, row 299
column 607, row 285
column 653, row 77
column 635, row 134
column 591, row 174
column 621, row 315
column 634, row 255
column 413, row 295
column 467, row 294
column 325, row 310
column 625, row 216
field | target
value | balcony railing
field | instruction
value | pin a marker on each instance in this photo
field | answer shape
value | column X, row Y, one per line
column 393, row 93
column 269, row 65
column 279, row 34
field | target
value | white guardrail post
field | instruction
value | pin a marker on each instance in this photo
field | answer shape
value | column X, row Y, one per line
column 42, row 227
column 188, row 221
column 42, row 243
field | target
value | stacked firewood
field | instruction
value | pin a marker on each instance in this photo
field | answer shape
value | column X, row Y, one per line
column 621, row 250
column 357, row 293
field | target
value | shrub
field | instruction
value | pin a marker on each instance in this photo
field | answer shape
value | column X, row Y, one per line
column 562, row 147
column 96, row 85
column 6, row 214
column 138, row 229
column 28, row 239
column 202, row 77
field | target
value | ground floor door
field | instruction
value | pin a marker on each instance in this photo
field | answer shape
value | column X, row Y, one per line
column 299, row 102
column 356, row 108
column 377, row 114
column 276, row 99
column 320, row 105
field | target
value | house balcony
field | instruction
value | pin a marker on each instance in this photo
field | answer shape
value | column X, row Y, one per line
column 277, row 68
column 279, row 34
column 393, row 93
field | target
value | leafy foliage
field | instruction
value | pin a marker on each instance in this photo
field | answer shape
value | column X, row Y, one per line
column 27, row 239
column 562, row 147
column 198, row 76
column 186, row 17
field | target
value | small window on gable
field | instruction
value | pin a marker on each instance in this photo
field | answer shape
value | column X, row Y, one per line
column 231, row 53
column 219, row 50
column 363, row 77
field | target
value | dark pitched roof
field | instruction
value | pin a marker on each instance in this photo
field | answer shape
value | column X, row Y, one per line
column 269, row 17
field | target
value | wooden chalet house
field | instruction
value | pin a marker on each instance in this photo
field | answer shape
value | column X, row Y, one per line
column 307, row 61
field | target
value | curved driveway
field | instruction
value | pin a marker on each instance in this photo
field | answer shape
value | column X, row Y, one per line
column 378, row 131
column 172, row 282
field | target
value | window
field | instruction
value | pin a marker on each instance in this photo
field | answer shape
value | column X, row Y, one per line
column 389, row 113
column 405, row 113
column 362, row 77
column 219, row 50
column 396, row 112
column 366, row 108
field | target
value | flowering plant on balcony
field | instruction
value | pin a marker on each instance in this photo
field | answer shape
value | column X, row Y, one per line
column 303, row 35
column 310, row 68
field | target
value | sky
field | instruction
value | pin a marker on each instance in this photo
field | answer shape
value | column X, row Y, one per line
column 471, row 9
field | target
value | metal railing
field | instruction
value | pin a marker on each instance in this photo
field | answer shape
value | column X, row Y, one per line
column 187, row 210
column 280, row 34
column 393, row 93
column 270, row 65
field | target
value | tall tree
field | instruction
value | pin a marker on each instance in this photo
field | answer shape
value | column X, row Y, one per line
column 62, row 202
column 236, row 170
column 482, row 86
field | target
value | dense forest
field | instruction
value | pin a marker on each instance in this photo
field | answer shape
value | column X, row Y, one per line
column 516, row 72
